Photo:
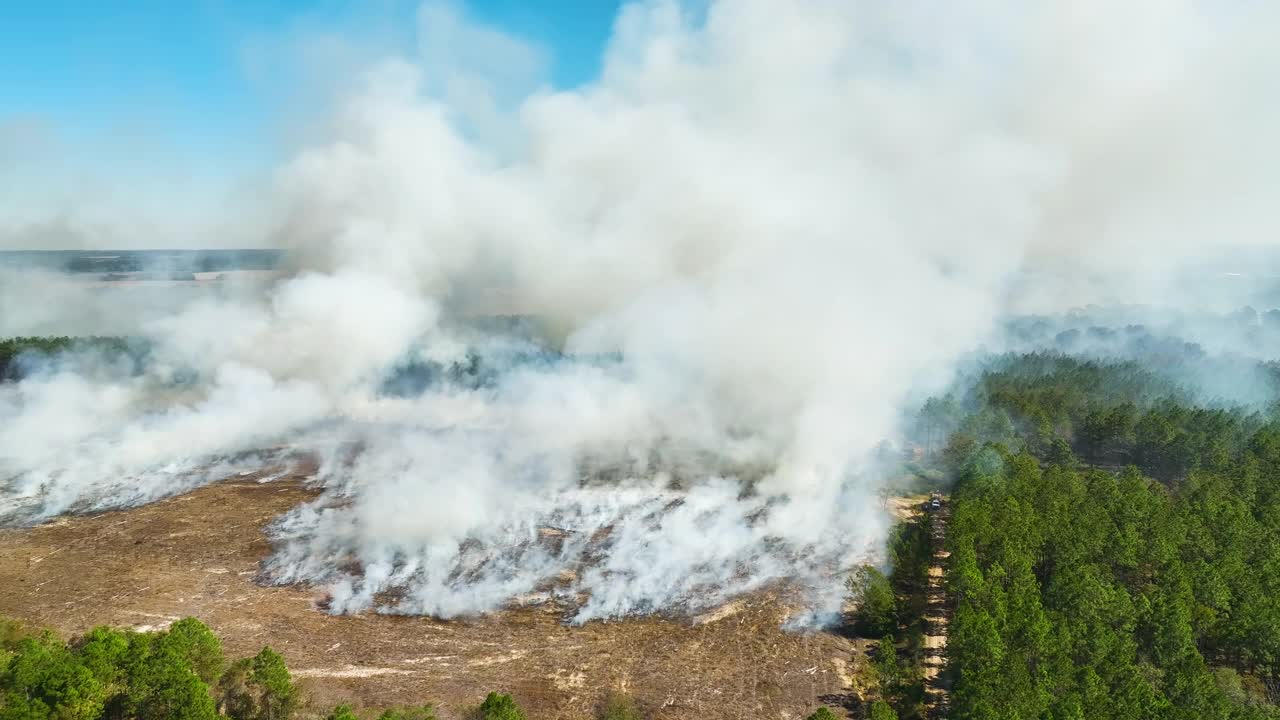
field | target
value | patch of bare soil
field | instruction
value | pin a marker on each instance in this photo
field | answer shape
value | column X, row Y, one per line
column 903, row 507
column 199, row 554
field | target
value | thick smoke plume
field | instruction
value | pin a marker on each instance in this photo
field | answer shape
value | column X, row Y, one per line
column 764, row 227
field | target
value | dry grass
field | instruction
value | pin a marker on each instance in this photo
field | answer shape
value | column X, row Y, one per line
column 199, row 554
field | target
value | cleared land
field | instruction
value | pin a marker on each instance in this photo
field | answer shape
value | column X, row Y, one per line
column 199, row 554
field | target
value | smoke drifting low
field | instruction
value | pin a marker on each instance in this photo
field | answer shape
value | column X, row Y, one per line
column 766, row 226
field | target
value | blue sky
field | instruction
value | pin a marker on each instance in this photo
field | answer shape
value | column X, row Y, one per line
column 178, row 66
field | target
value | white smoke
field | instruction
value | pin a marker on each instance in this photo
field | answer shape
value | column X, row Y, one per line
column 783, row 217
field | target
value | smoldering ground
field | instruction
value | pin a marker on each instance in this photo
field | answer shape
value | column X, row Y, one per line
column 781, row 219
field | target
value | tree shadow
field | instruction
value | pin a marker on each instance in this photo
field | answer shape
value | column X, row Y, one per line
column 849, row 702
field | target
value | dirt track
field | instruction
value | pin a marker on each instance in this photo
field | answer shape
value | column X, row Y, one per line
column 937, row 620
column 198, row 554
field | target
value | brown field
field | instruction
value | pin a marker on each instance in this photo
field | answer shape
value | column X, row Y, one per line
column 199, row 554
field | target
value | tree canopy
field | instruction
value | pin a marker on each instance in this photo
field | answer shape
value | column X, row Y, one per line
column 1113, row 548
column 115, row 674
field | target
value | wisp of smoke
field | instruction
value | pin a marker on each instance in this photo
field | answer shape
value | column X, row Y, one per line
column 778, row 219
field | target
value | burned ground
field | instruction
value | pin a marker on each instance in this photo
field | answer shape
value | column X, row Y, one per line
column 200, row 554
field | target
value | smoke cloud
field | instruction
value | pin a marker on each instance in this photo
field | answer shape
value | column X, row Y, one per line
column 760, row 231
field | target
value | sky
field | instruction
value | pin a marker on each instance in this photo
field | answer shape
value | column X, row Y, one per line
column 189, row 72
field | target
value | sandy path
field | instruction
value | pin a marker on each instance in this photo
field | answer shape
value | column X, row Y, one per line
column 937, row 617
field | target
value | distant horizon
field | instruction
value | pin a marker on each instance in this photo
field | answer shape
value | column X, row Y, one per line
column 120, row 262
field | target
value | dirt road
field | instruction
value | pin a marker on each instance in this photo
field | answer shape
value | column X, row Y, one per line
column 936, row 620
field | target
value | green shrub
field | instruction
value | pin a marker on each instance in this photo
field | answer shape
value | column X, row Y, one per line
column 875, row 605
column 342, row 712
column 500, row 706
column 258, row 688
column 881, row 710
